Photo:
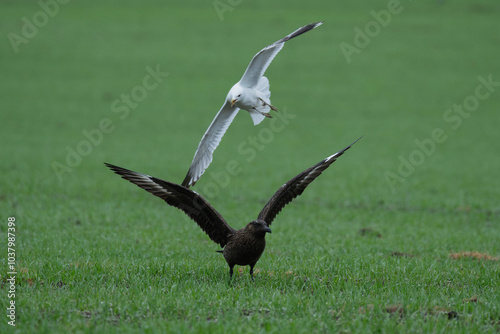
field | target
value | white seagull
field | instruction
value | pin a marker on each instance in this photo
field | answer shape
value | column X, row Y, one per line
column 251, row 93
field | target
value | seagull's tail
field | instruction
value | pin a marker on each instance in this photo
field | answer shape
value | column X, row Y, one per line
column 263, row 93
column 257, row 117
column 263, row 88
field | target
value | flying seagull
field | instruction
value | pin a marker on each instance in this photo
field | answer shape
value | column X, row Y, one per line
column 251, row 93
column 241, row 247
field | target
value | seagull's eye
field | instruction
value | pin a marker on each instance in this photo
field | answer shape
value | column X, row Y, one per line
column 238, row 95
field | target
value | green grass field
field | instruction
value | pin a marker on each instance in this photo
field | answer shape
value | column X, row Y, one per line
column 401, row 234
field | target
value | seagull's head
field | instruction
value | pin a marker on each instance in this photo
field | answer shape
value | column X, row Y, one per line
column 258, row 228
column 234, row 94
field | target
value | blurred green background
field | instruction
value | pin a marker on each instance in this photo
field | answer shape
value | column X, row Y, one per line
column 68, row 73
column 394, row 91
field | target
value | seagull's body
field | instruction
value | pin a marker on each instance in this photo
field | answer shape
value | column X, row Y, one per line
column 254, row 99
column 251, row 93
column 241, row 247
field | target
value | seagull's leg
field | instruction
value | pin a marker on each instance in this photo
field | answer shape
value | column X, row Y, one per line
column 263, row 113
column 264, row 103
column 273, row 107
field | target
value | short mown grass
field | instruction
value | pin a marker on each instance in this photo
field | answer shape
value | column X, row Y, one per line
column 355, row 253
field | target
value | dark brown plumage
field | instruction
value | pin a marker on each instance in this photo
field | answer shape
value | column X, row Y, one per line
column 241, row 247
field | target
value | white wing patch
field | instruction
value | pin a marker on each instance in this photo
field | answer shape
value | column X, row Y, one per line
column 146, row 182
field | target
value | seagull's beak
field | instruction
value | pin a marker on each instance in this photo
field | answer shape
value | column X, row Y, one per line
column 233, row 101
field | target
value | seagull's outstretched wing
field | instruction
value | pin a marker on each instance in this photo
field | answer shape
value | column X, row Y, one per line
column 211, row 138
column 184, row 199
column 208, row 144
column 295, row 187
column 261, row 60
